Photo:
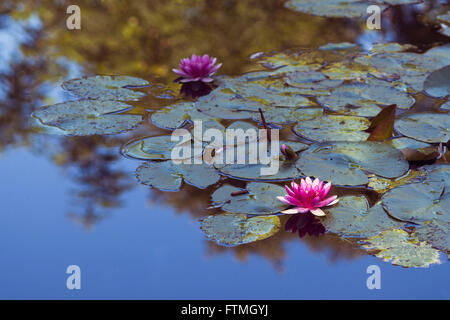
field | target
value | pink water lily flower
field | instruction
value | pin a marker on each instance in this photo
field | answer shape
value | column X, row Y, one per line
column 308, row 196
column 197, row 68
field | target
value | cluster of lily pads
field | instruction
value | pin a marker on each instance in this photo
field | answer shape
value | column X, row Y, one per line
column 327, row 99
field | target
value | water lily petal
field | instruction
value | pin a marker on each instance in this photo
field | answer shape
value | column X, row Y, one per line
column 318, row 212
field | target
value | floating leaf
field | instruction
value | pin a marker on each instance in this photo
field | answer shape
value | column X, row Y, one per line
column 382, row 125
column 435, row 232
column 352, row 217
column 389, row 47
column 160, row 175
column 344, row 70
column 167, row 176
column 412, row 68
column 288, row 115
column 88, row 117
column 299, row 61
column 260, row 198
column 446, row 105
column 159, row 148
column 236, row 229
column 177, row 115
column 338, row 46
column 437, row 83
column 225, row 105
column 266, row 93
column 344, row 163
column 414, row 150
column 381, row 185
column 428, row 127
column 402, row 249
column 106, row 87
column 333, row 128
column 422, row 201
column 312, row 83
column 253, row 169
column 364, row 99
column 330, row 8
column 440, row 54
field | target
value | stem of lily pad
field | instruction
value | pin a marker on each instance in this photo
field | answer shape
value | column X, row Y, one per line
column 265, row 124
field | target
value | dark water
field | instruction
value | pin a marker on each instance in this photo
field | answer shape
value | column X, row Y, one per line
column 75, row 200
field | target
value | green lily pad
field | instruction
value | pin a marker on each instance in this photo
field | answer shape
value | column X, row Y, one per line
column 437, row 83
column 408, row 143
column 261, row 198
column 338, row 46
column 256, row 171
column 276, row 115
column 177, row 115
column 427, row 127
column 334, row 128
column 331, row 8
column 440, row 54
column 364, row 99
column 297, row 61
column 389, row 47
column 158, row 148
column 414, row 150
column 267, row 94
column 106, row 87
column 412, row 68
column 312, row 83
column 346, row 70
column 345, row 163
column 422, row 201
column 402, row 249
column 167, row 176
column 435, row 232
column 446, row 105
column 381, row 185
column 88, row 117
column 225, row 105
column 352, row 217
column 237, row 229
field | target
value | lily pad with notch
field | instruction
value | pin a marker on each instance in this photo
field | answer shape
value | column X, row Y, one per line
column 106, row 87
column 160, row 148
column 333, row 128
column 168, row 176
column 403, row 249
column 88, row 117
column 346, row 163
column 258, row 198
column 427, row 127
column 422, row 201
column 236, row 229
column 175, row 116
column 360, row 99
column 352, row 217
column 253, row 169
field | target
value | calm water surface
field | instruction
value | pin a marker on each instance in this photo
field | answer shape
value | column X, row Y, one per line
column 74, row 200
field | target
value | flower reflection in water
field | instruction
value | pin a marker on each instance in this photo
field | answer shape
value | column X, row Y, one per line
column 304, row 223
column 195, row 89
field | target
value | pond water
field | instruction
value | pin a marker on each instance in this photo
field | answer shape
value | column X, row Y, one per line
column 71, row 198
